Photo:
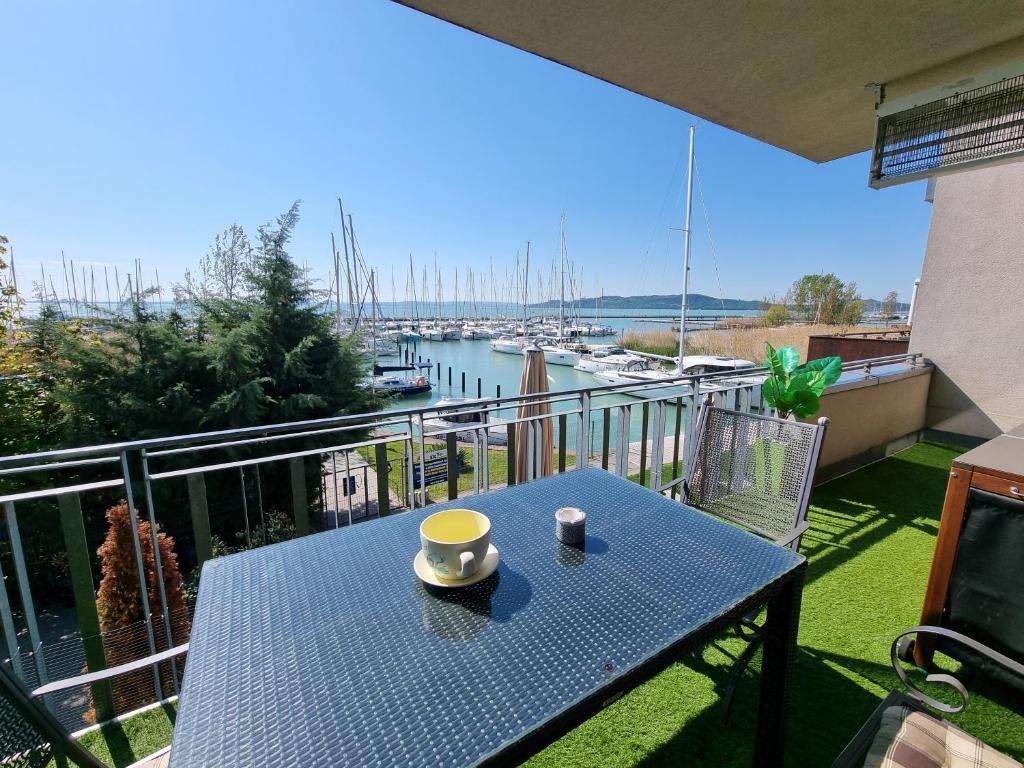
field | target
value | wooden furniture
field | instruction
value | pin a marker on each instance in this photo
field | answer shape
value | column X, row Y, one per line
column 995, row 467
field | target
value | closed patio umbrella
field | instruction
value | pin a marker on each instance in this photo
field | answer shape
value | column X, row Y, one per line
column 535, row 440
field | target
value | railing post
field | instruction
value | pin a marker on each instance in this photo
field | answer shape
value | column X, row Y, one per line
column 245, row 505
column 348, row 489
column 453, row 466
column 692, row 412
column 25, row 591
column 143, row 588
column 157, row 559
column 410, row 476
column 622, row 448
column 675, row 444
column 510, row 459
column 300, row 501
column 485, row 463
column 562, row 423
column 658, row 445
column 200, row 518
column 583, row 433
column 7, row 621
column 383, row 493
column 606, row 431
column 80, row 568
column 645, row 412
column 423, row 461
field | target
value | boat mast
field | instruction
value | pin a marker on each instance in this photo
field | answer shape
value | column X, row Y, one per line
column 355, row 270
column 561, row 273
column 686, row 253
column 337, row 286
column 415, row 300
column 526, row 285
column 348, row 269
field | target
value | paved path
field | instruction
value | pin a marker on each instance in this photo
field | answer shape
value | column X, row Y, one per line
column 361, row 504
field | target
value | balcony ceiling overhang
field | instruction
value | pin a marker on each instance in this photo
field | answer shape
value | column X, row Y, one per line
column 789, row 73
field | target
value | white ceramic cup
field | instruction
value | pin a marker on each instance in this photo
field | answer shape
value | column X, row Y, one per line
column 454, row 542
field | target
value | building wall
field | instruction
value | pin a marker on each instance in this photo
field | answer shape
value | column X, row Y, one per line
column 969, row 315
column 871, row 418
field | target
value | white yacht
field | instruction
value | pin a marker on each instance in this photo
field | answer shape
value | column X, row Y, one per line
column 642, row 373
column 508, row 344
column 692, row 365
column 432, row 333
column 608, row 359
column 456, row 412
column 554, row 353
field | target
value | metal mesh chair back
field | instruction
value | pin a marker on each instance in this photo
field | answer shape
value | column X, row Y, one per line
column 755, row 471
column 30, row 735
column 21, row 743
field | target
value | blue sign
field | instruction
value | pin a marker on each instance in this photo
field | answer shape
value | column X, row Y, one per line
column 435, row 463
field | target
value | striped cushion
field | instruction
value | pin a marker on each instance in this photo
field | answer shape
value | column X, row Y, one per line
column 908, row 738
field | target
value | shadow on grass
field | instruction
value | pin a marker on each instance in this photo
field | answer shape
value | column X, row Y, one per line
column 118, row 739
column 826, row 708
column 853, row 513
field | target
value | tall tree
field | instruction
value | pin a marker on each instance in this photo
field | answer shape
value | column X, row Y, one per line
column 888, row 308
column 827, row 299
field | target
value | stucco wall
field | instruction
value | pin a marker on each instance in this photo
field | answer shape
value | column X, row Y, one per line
column 866, row 417
column 969, row 315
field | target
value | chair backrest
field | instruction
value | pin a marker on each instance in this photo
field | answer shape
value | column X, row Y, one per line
column 30, row 735
column 756, row 471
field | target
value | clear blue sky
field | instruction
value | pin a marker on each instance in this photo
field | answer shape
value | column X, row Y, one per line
column 142, row 129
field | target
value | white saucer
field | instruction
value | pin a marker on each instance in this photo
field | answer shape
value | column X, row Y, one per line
column 426, row 573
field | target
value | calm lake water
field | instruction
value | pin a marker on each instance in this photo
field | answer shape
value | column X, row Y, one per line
column 497, row 369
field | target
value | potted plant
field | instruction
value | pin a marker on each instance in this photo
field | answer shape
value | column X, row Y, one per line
column 795, row 389
column 792, row 390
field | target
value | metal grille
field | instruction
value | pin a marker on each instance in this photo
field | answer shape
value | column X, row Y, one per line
column 65, row 658
column 22, row 744
column 966, row 128
column 753, row 471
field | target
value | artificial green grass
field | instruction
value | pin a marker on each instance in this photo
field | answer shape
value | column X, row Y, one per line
column 870, row 548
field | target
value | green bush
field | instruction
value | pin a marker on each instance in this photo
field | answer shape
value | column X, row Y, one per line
column 776, row 315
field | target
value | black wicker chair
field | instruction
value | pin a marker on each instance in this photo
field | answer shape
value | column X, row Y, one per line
column 30, row 735
column 756, row 472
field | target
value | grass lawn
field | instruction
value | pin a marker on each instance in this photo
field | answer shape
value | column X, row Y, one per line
column 869, row 548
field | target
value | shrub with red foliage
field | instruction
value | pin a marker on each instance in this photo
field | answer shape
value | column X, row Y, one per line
column 120, row 608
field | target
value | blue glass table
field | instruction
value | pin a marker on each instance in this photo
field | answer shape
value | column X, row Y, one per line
column 327, row 650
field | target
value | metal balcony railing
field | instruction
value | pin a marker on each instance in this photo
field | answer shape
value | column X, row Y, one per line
column 247, row 487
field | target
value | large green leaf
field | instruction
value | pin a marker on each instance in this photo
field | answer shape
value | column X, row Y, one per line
column 772, row 391
column 824, row 371
column 805, row 403
column 774, row 361
column 789, row 357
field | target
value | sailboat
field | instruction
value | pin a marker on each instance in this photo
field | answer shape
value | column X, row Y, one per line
column 554, row 352
column 685, row 365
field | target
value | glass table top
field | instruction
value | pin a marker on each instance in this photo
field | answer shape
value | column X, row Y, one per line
column 327, row 650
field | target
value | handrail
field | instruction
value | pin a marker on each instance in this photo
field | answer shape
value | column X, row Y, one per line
column 369, row 419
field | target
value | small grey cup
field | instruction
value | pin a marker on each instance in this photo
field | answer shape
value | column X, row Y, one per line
column 570, row 525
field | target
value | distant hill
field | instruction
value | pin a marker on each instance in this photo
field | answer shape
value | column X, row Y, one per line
column 669, row 301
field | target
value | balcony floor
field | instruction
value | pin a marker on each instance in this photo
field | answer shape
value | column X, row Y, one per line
column 870, row 547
